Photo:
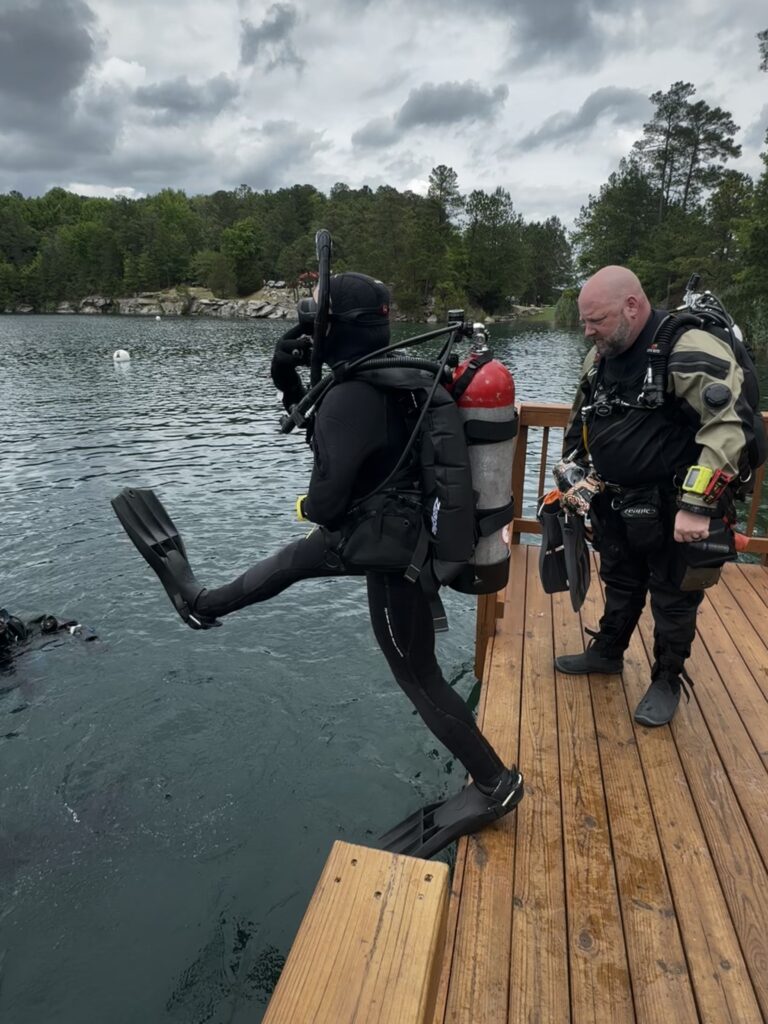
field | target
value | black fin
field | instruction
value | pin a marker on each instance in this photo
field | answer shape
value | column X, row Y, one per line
column 436, row 826
column 576, row 557
column 552, row 569
column 156, row 538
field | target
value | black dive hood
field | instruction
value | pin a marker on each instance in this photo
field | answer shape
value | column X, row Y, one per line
column 358, row 317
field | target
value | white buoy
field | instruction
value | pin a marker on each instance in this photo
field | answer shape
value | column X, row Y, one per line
column 157, row 318
column 121, row 356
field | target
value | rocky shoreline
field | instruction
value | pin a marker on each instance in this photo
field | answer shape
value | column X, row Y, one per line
column 273, row 302
column 270, row 304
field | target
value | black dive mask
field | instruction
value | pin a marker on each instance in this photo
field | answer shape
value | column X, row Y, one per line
column 306, row 308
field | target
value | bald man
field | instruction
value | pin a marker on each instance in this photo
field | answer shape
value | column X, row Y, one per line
column 645, row 455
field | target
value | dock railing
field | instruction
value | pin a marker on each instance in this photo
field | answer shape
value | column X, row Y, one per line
column 534, row 439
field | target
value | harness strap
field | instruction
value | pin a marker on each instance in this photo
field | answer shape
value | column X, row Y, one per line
column 462, row 383
column 489, row 520
column 490, row 431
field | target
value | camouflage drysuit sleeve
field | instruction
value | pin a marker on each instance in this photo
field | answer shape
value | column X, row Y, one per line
column 704, row 375
column 573, row 438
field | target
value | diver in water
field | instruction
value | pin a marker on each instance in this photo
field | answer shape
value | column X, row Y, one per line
column 17, row 635
column 359, row 435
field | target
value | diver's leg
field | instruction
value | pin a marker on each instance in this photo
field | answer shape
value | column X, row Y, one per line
column 311, row 557
column 674, row 617
column 625, row 576
column 402, row 624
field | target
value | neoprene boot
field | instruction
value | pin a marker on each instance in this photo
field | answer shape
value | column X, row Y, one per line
column 600, row 656
column 660, row 701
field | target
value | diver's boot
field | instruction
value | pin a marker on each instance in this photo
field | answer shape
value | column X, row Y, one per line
column 659, row 704
column 184, row 592
column 435, row 826
column 600, row 656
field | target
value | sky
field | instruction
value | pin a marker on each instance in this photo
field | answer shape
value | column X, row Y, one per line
column 540, row 97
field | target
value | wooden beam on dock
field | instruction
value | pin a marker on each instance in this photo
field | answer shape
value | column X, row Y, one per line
column 369, row 950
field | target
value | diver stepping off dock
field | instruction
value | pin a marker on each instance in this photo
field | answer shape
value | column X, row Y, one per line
column 393, row 498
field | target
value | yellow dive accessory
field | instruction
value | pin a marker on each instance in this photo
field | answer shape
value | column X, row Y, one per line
column 697, row 480
column 300, row 509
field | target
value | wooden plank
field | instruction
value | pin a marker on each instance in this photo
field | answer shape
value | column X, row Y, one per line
column 490, row 607
column 600, row 984
column 368, row 950
column 518, row 475
column 539, row 980
column 757, row 577
column 738, row 711
column 660, row 982
column 746, row 623
column 479, row 983
column 723, row 991
column 457, row 878
column 544, row 414
column 740, row 870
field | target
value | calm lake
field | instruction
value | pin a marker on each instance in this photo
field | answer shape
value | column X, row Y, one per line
column 169, row 797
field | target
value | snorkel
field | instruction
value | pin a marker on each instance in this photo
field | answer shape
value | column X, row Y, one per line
column 323, row 248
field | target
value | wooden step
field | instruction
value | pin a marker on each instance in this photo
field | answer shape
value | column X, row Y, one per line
column 370, row 947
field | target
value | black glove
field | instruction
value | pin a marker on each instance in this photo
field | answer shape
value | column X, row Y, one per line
column 292, row 350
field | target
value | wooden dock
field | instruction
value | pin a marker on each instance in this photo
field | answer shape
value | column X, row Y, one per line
column 631, row 885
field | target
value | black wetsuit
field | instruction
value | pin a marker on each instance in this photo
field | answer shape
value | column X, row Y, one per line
column 17, row 635
column 360, row 433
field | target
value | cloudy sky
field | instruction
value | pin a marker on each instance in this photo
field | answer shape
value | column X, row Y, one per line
column 542, row 97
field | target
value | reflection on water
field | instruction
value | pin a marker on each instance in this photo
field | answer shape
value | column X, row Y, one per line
column 169, row 797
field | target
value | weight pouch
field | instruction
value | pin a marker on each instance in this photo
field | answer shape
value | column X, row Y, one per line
column 383, row 532
column 642, row 517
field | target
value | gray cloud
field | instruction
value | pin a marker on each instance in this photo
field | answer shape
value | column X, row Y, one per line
column 571, row 32
column 283, row 154
column 756, row 135
column 46, row 48
column 449, row 103
column 177, row 99
column 428, row 105
column 376, row 134
column 619, row 106
column 271, row 38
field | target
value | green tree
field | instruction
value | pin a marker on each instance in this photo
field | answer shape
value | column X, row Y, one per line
column 494, row 250
column 548, row 261
column 243, row 245
column 215, row 270
column 659, row 151
column 8, row 285
column 443, row 192
column 19, row 240
column 613, row 225
column 684, row 146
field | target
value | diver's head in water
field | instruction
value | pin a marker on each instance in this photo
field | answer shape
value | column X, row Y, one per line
column 358, row 317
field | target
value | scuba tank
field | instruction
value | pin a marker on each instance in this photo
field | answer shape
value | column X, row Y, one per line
column 484, row 391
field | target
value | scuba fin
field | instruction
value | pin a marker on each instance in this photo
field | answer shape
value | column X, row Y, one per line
column 156, row 538
column 437, row 825
column 576, row 557
column 552, row 568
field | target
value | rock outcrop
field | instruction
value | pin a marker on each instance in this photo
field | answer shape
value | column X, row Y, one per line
column 271, row 303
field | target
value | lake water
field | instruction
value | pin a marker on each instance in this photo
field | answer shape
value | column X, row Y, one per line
column 169, row 797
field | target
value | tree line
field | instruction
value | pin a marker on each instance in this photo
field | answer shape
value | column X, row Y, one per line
column 671, row 207
column 443, row 249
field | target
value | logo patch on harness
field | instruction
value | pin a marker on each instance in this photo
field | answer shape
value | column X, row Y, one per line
column 640, row 512
column 435, row 516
